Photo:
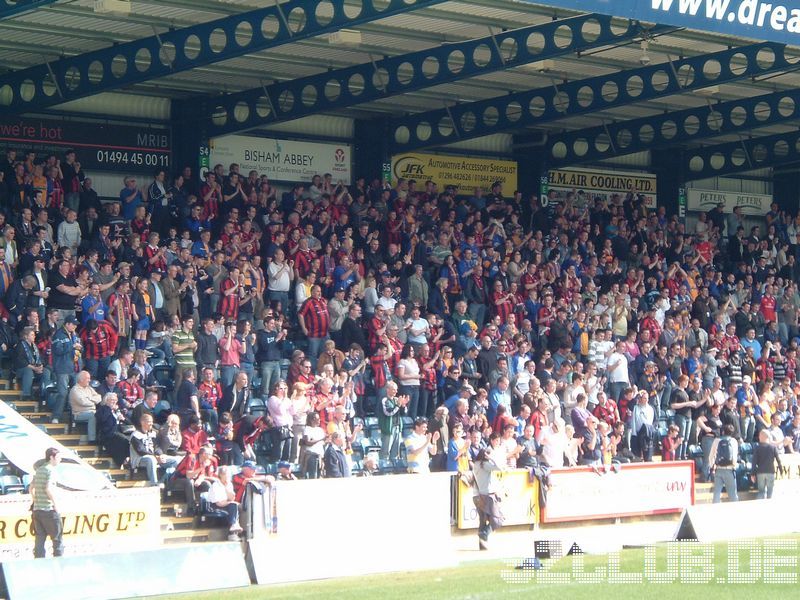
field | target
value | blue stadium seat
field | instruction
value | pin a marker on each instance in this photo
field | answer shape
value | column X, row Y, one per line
column 745, row 451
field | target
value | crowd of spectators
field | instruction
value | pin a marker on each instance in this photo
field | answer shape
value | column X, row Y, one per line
column 429, row 326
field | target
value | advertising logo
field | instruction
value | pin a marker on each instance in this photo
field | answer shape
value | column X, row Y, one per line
column 338, row 156
column 409, row 167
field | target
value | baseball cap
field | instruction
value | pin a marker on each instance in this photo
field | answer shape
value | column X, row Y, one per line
column 71, row 321
column 249, row 464
column 284, row 465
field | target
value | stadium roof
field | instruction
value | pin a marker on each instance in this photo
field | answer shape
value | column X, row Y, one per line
column 67, row 28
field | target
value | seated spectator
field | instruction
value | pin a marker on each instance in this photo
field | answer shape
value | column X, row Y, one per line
column 222, row 496
column 28, row 364
column 83, row 401
column 145, row 452
column 170, row 440
column 195, row 475
column 130, row 391
column 228, row 450
column 152, row 406
column 113, row 430
column 194, row 436
column 285, row 471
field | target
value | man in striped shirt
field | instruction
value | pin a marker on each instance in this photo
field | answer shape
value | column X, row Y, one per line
column 46, row 520
column 183, row 347
column 314, row 321
column 99, row 344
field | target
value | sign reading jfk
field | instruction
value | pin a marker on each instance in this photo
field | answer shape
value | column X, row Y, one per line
column 460, row 171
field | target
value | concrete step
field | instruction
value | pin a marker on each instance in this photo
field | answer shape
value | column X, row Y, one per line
column 174, row 523
column 24, row 405
column 184, row 536
column 55, row 428
column 132, row 483
column 85, row 451
column 69, row 439
column 99, row 462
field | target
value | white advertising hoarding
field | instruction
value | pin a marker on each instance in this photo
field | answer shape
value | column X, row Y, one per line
column 705, row 200
column 23, row 444
column 282, row 160
column 637, row 489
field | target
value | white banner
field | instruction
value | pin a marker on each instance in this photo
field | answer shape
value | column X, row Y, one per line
column 282, row 160
column 705, row 200
column 638, row 489
column 23, row 444
column 93, row 522
column 588, row 184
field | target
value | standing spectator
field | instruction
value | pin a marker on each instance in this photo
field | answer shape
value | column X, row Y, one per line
column 391, row 410
column 46, row 519
column 723, row 459
column 335, row 461
column 314, row 320
column 66, row 349
column 99, row 342
column 420, row 447
column 69, row 232
column 765, row 456
column 131, row 198
column 618, row 378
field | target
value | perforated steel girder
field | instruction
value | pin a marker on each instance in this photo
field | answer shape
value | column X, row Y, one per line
column 414, row 71
column 744, row 155
column 183, row 49
column 544, row 105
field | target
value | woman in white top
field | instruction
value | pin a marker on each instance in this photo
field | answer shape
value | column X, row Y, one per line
column 222, row 496
column 300, row 406
column 313, row 446
column 281, row 409
column 408, row 374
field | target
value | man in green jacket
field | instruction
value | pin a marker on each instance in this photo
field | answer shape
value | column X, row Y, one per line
column 390, row 419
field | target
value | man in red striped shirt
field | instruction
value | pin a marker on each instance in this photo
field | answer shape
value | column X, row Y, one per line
column 99, row 341
column 231, row 295
column 314, row 321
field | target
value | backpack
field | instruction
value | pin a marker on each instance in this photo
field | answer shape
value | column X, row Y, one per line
column 724, row 453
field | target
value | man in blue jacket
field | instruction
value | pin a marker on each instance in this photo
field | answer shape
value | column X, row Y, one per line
column 66, row 346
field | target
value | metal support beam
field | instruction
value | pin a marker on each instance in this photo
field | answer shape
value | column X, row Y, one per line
column 679, row 127
column 544, row 105
column 9, row 8
column 183, row 49
column 743, row 155
column 415, row 71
